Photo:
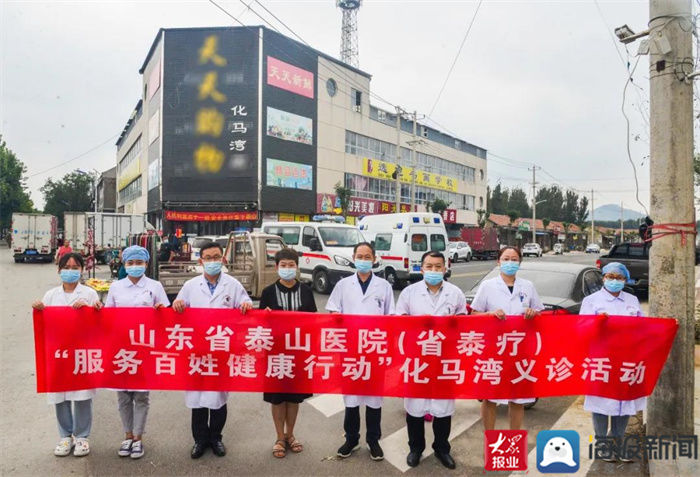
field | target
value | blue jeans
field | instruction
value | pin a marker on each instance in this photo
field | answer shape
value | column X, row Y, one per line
column 618, row 424
column 74, row 418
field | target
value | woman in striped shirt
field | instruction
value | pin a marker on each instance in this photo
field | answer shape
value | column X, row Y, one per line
column 287, row 294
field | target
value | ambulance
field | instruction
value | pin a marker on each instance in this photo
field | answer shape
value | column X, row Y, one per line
column 402, row 239
column 326, row 250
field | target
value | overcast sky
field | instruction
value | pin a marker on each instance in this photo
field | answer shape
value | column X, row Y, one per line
column 539, row 82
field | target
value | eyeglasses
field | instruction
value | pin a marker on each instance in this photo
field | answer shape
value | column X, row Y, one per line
column 215, row 258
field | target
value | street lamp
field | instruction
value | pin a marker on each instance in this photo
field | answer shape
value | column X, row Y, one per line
column 94, row 184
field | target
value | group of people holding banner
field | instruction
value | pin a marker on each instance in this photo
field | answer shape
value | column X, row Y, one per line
column 363, row 293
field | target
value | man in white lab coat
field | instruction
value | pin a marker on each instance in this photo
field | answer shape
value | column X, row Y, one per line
column 212, row 289
column 362, row 294
column 432, row 296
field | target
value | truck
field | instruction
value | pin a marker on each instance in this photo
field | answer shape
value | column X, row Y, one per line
column 250, row 259
column 109, row 230
column 635, row 256
column 483, row 242
column 34, row 237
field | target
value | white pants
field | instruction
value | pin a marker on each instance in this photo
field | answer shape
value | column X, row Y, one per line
column 418, row 407
column 375, row 402
column 514, row 401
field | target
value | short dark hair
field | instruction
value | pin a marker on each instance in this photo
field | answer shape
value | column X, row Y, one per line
column 75, row 256
column 209, row 245
column 510, row 247
column 287, row 254
column 433, row 254
column 364, row 244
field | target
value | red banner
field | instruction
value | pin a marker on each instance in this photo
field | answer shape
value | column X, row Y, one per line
column 439, row 357
column 185, row 216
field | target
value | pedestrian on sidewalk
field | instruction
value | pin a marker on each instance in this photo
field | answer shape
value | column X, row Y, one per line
column 501, row 296
column 287, row 294
column 135, row 291
column 610, row 416
column 363, row 293
column 212, row 289
column 436, row 297
column 73, row 408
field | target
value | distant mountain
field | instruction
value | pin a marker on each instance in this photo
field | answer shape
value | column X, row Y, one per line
column 612, row 212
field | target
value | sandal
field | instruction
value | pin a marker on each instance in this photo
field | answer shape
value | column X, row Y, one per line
column 294, row 444
column 279, row 450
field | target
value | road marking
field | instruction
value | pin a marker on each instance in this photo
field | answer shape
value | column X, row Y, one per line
column 470, row 274
column 328, row 404
column 395, row 446
column 576, row 419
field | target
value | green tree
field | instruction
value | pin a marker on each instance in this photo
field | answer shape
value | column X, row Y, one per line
column 13, row 189
column 545, row 223
column 498, row 202
column 582, row 211
column 512, row 216
column 438, row 206
column 72, row 193
column 344, row 195
column 517, row 201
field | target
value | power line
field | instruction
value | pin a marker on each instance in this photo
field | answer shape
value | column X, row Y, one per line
column 454, row 62
column 73, row 158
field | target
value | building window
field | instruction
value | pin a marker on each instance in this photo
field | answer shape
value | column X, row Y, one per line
column 130, row 155
column 481, row 175
column 131, row 191
column 356, row 98
column 481, row 202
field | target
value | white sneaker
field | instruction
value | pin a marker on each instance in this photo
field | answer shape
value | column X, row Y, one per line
column 125, row 449
column 82, row 447
column 64, row 447
column 137, row 450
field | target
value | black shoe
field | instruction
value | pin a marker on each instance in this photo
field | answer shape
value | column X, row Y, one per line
column 198, row 450
column 413, row 458
column 375, row 451
column 218, row 448
column 446, row 459
column 347, row 449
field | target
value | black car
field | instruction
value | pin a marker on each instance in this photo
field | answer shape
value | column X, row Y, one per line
column 561, row 286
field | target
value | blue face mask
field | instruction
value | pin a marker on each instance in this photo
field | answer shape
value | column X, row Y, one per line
column 287, row 273
column 433, row 278
column 69, row 276
column 363, row 266
column 510, row 268
column 135, row 271
column 613, row 286
column 212, row 268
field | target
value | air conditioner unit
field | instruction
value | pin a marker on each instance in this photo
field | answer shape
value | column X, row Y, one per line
column 357, row 108
column 424, row 131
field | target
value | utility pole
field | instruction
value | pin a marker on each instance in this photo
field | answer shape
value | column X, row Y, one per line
column 414, row 161
column 534, row 203
column 671, row 262
column 622, row 222
column 398, row 159
column 592, row 219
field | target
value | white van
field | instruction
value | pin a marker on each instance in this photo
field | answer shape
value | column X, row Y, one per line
column 402, row 239
column 326, row 250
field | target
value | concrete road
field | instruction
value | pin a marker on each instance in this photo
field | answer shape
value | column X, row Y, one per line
column 30, row 428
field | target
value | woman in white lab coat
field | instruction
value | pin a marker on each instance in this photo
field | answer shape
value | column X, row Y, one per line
column 212, row 289
column 362, row 294
column 73, row 408
column 436, row 297
column 611, row 300
column 500, row 296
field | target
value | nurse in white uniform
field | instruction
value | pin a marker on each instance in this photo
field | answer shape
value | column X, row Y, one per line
column 500, row 296
column 362, row 294
column 135, row 291
column 73, row 408
column 436, row 297
column 611, row 300
column 212, row 289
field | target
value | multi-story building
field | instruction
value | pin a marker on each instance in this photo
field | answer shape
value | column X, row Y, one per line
column 107, row 190
column 241, row 124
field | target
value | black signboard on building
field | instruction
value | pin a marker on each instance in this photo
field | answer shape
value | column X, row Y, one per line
column 290, row 88
column 210, row 116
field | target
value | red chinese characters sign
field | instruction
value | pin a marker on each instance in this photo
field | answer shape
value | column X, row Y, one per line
column 289, row 77
column 439, row 357
column 184, row 216
column 327, row 203
column 449, row 216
